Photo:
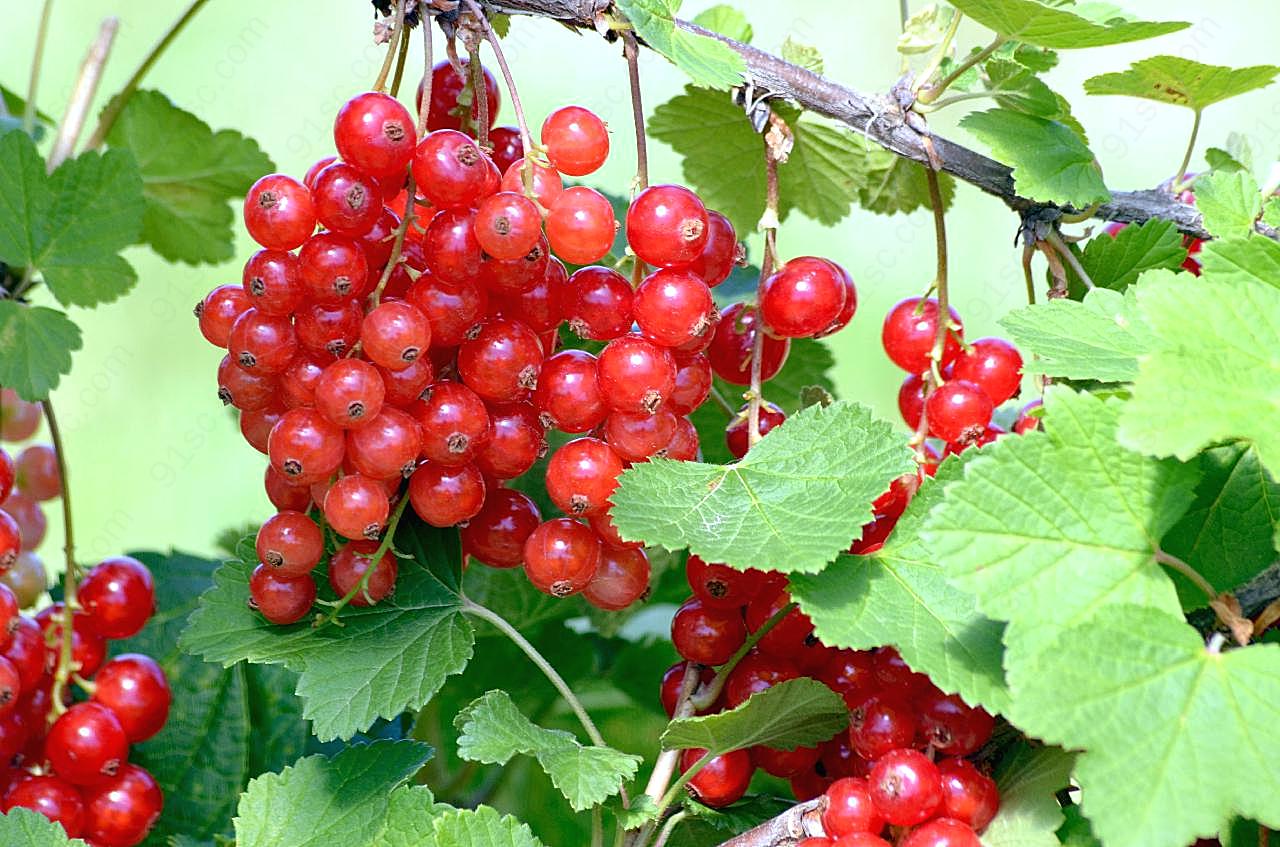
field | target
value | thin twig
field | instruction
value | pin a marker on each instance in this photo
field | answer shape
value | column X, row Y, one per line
column 397, row 246
column 933, row 92
column 83, row 93
column 1173, row 562
column 706, row 695
column 935, row 61
column 1186, row 159
column 375, row 559
column 479, row 95
column 427, row 73
column 380, row 83
column 71, row 576
column 37, row 60
column 1058, row 244
column 525, row 137
column 401, row 56
column 117, row 104
column 631, row 50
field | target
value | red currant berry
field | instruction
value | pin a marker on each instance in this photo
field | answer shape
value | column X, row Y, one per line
column 376, row 134
column 118, row 596
column 906, row 787
column 282, row 493
column 386, row 447
column 450, row 169
column 789, row 636
column 262, row 343
column 290, row 542
column 56, row 799
column 357, row 507
column 272, row 282
column 328, row 331
column 635, row 436
column 332, row 268
column 19, row 419
column 809, row 785
column 507, row 225
column 1029, row 417
column 134, row 688
column 305, row 447
column 216, row 313
column 952, row 726
column 684, row 444
column 278, row 212
column 35, row 472
column 667, row 226
column 755, row 673
column 968, row 795
column 720, row 586
column 347, row 200
column 561, row 556
column 849, row 808
column 540, row 307
column 802, row 298
column 256, row 426
column 26, row 651
column 507, row 146
column 909, row 332
column 958, row 412
column 582, row 475
column 693, row 384
column 723, row 780
column 395, row 334
column 454, row 423
column 348, row 566
column 581, row 225
column 404, row 387
column 452, row 250
column 992, row 364
column 731, row 346
column 10, row 685
column 516, row 441
column 447, row 84
column 784, row 764
column 879, row 723
column 850, row 304
column 121, row 811
column 911, row 400
column 501, row 362
column 942, row 832
column 379, row 243
column 496, row 535
column 29, row 517
column 598, row 303
column 621, row 579
column 860, row 839
column 246, row 390
column 513, row 277
column 349, row 393
column 10, row 540
column 577, row 141
column 452, row 310
column 279, row 599
column 446, row 496
column 721, row 252
column 706, row 635
column 86, row 745
column 635, row 375
column 673, row 307
column 893, row 672
column 547, row 184
column 673, row 679
column 737, row 435
column 604, row 527
column 850, row 673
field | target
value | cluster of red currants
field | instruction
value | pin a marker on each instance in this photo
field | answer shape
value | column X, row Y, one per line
column 874, row 773
column 69, row 761
column 379, row 352
column 27, row 479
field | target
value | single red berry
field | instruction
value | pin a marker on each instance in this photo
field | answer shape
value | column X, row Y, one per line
column 540, row 307
column 755, row 673
column 290, row 542
column 516, row 441
column 881, row 722
column 684, row 444
column 328, row 332
column 282, row 493
column 349, row 393
column 850, row 674
column 506, row 278
column 395, row 334
column 405, row 386
column 635, row 436
column 850, row 304
column 860, row 839
column 357, row 507
column 561, row 556
column 621, row 579
column 958, row 412
column 262, row 343
column 791, row 637
column 582, row 475
column 121, row 811
column 968, row 795
column 118, row 596
column 281, row 600
column 784, row 764
column 911, row 400
column 992, row 364
column 86, row 745
column 906, row 787
column 454, row 423
column 581, row 225
column 809, row 785
column 635, row 375
column 667, row 226
column 507, row 225
column 134, row 688
column 447, row 84
column 952, row 726
column 35, row 472
column 693, row 383
column 297, row 385
column 30, row 518
column 332, row 268
column 673, row 679
column 723, row 780
column 737, row 435
column 453, row 311
column 577, row 141
column 27, row 651
column 732, row 344
column 706, row 635
column 502, row 360
column 278, row 212
column 802, row 297
column 215, row 313
column 451, row 247
column 56, row 799
column 20, row 419
column 305, row 447
column 378, row 245
column 10, row 685
column 449, row 169
column 849, row 808
column 604, row 527
column 721, row 252
column 720, row 586
column 272, row 282
column 10, row 540
column 446, row 496
column 547, row 184
column 942, row 832
column 507, row 146
column 386, row 447
column 347, row 200
column 256, row 426
column 598, row 303
column 893, row 672
column 673, row 307
column 348, row 567
column 376, row 134
column 496, row 535
column 246, row 390
column 1029, row 417
column 910, row 330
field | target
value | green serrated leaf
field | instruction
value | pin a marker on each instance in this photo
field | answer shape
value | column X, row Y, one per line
column 22, row 827
column 708, row 61
column 501, row 25
column 1230, row 203
column 824, row 465
column 189, row 173
column 1075, row 830
column 1099, row 338
column 741, row 816
column 35, row 348
column 1116, row 261
column 327, row 802
column 791, row 714
column 924, row 30
column 1154, row 717
column 493, row 730
column 1271, row 212
column 804, row 55
column 1030, row 815
column 481, row 827
column 1046, row 528
column 1242, row 261
column 1050, row 161
column 1182, row 82
column 387, row 658
column 900, row 597
column 409, row 812
column 823, row 175
column 1017, row 87
column 895, row 184
column 1060, row 28
column 1213, row 373
column 726, row 20
column 11, row 115
column 1223, row 162
column 1228, row 533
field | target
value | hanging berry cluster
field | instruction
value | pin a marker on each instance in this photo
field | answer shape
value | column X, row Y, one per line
column 381, row 361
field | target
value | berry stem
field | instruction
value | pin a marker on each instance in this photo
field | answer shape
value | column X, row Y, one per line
column 1174, row 563
column 86, row 86
column 1186, row 159
column 1029, row 252
column 1061, row 246
column 665, row 766
column 525, row 137
column 931, row 93
column 705, row 696
column 71, row 576
column 770, row 220
column 117, row 104
column 401, row 55
column 428, row 61
column 380, row 83
column 935, row 61
column 375, row 559
column 597, row 827
column 37, row 60
column 1056, row 271
column 668, row 828
column 681, row 781
column 397, row 246
column 631, row 50
column 479, row 94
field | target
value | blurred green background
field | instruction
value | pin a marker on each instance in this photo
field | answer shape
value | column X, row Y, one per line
column 157, row 463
